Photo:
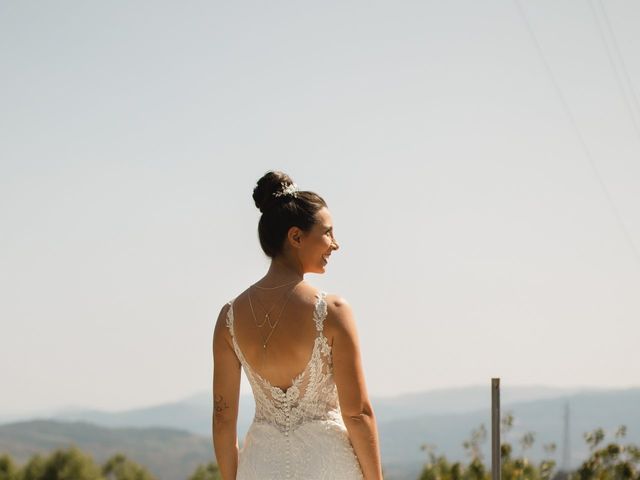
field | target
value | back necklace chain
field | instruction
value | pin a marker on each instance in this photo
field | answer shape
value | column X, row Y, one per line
column 264, row 344
column 267, row 317
column 273, row 288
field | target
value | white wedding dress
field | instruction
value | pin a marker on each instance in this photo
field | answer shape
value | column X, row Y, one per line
column 298, row 433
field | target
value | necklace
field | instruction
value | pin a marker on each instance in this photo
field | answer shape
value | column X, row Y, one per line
column 273, row 288
column 264, row 344
column 267, row 317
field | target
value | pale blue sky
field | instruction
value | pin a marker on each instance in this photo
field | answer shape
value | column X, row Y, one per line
column 476, row 240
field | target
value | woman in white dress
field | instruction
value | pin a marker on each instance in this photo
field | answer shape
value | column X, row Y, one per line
column 300, row 351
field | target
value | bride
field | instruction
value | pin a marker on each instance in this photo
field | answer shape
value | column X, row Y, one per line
column 300, row 351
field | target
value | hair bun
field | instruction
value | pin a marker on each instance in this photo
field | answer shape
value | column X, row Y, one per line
column 270, row 183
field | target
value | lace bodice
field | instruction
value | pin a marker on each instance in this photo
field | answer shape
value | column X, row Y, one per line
column 297, row 433
column 312, row 394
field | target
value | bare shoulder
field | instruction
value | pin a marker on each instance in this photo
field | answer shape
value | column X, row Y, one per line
column 340, row 319
column 336, row 302
column 223, row 314
column 221, row 330
column 224, row 310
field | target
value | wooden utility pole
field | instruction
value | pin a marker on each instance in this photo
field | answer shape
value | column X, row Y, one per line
column 495, row 429
column 566, row 439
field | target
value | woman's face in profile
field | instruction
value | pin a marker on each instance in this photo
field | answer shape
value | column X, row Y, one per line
column 319, row 243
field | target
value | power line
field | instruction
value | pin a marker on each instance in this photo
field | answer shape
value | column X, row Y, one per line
column 625, row 70
column 579, row 135
column 614, row 67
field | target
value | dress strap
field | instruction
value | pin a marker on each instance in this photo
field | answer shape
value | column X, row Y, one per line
column 320, row 311
column 229, row 320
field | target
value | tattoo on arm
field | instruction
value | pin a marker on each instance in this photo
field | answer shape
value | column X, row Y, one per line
column 219, row 405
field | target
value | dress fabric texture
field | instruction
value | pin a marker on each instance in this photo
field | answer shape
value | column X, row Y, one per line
column 297, row 433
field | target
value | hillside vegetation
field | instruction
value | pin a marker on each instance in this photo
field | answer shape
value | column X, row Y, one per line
column 169, row 454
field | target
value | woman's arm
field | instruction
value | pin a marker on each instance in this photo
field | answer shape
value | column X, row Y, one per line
column 226, row 392
column 348, row 374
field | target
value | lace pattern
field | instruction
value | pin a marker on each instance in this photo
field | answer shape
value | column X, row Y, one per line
column 297, row 433
column 312, row 394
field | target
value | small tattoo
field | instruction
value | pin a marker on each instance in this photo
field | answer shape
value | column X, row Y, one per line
column 219, row 404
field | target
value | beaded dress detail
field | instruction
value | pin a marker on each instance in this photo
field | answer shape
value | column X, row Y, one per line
column 297, row 433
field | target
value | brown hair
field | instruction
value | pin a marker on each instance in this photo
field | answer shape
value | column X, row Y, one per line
column 281, row 213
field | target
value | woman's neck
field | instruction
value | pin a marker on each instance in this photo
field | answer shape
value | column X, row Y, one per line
column 281, row 271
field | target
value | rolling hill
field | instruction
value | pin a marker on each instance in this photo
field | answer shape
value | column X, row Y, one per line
column 168, row 453
column 444, row 418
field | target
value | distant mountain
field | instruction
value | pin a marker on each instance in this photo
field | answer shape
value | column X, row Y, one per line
column 190, row 415
column 446, row 400
column 444, row 418
column 401, row 439
column 168, row 453
column 194, row 412
column 462, row 400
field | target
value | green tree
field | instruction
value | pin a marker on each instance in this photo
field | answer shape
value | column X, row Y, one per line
column 206, row 472
column 472, row 446
column 119, row 467
column 521, row 468
column 69, row 464
column 607, row 461
column 512, row 468
column 438, row 468
column 8, row 470
column 611, row 461
column 34, row 469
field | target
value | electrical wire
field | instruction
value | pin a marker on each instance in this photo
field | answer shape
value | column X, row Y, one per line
column 576, row 129
column 623, row 88
column 623, row 64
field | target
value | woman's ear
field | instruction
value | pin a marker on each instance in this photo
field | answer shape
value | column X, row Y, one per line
column 295, row 235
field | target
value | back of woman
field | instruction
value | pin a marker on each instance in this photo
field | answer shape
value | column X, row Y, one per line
column 299, row 349
column 290, row 345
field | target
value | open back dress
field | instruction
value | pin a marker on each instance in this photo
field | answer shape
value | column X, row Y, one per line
column 297, row 433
